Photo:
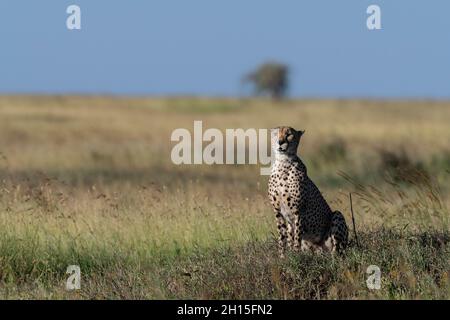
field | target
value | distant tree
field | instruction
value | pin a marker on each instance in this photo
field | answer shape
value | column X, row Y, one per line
column 270, row 78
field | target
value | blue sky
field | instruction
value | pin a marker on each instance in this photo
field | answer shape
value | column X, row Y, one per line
column 203, row 47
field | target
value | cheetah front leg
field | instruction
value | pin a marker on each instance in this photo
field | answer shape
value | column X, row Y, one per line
column 297, row 231
column 290, row 235
column 282, row 233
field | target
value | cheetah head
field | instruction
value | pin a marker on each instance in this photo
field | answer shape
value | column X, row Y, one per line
column 285, row 140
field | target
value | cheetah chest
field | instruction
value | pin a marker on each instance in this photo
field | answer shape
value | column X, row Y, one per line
column 285, row 186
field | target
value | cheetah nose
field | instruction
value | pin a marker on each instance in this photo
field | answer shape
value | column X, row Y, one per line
column 282, row 145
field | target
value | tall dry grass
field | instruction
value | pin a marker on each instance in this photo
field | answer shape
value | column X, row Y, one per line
column 89, row 181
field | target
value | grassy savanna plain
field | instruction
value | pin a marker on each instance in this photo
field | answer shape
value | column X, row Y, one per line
column 89, row 181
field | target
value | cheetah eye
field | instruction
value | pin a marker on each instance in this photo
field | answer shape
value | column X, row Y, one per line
column 290, row 138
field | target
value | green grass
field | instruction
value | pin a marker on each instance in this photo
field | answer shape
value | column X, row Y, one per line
column 413, row 266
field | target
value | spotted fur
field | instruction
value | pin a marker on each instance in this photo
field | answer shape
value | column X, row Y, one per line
column 305, row 221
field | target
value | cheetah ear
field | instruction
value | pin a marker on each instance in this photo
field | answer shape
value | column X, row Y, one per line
column 300, row 133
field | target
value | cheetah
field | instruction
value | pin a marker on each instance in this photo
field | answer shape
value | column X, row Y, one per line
column 305, row 221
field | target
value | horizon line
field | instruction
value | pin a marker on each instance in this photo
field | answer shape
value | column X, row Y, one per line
column 223, row 96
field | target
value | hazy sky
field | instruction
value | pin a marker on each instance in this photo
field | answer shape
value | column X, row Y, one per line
column 205, row 46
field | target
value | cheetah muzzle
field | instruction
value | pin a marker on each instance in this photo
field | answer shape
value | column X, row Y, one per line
column 305, row 221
